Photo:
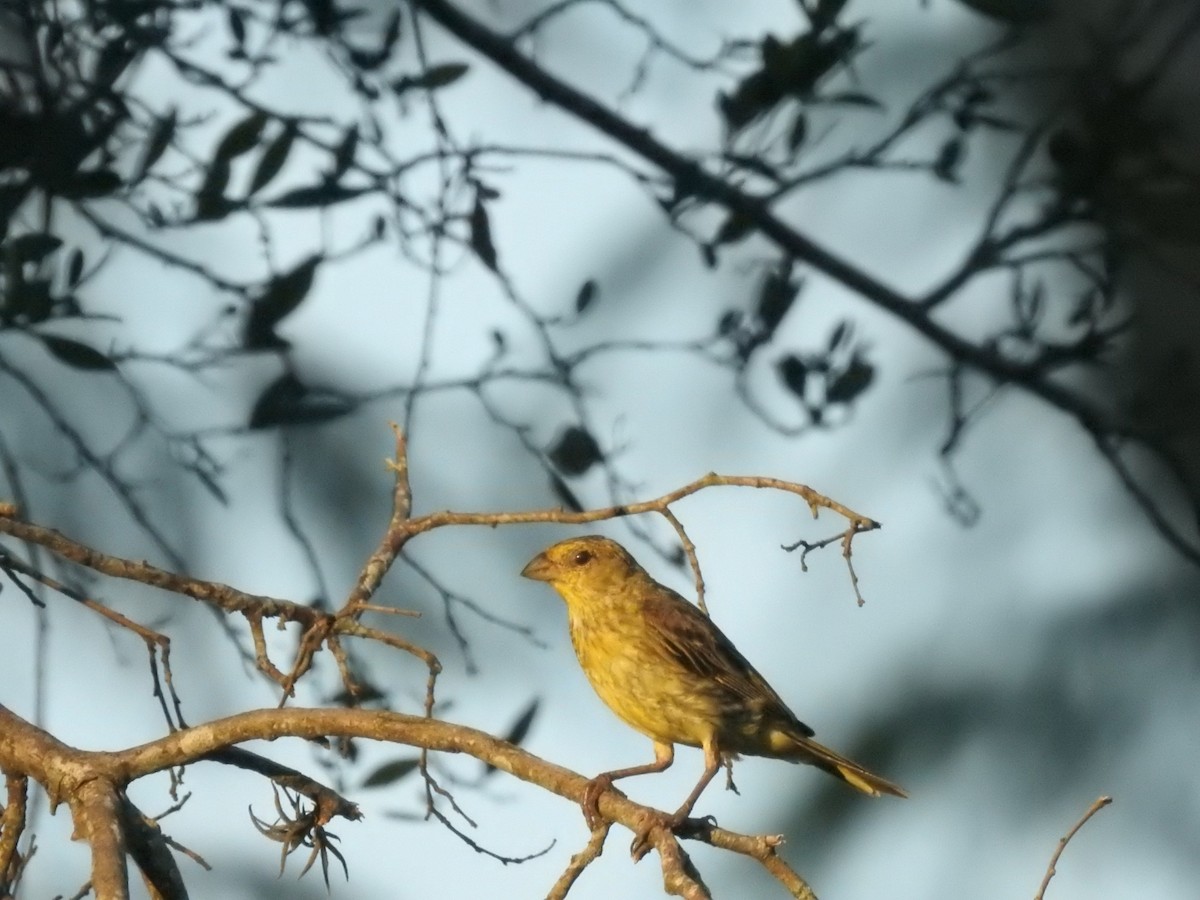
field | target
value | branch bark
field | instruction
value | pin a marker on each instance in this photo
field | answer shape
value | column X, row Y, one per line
column 148, row 847
column 1052, row 869
column 94, row 782
column 96, row 810
column 12, row 824
column 92, row 779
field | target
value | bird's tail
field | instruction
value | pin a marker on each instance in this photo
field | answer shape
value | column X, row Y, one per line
column 806, row 750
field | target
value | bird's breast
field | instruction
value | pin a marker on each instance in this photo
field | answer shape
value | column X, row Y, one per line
column 647, row 690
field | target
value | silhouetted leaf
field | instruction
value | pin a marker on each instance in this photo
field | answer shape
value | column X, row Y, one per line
column 32, row 247
column 365, row 60
column 745, row 342
column 520, row 728
column 798, row 132
column 279, row 299
column 343, row 156
column 840, row 334
column 366, row 691
column 30, row 300
column 74, row 267
column 209, row 208
column 324, row 16
column 242, row 137
column 324, row 194
column 945, row 167
column 775, row 297
column 78, row 355
column 852, row 98
column 273, row 158
column 729, row 323
column 432, row 78
column 736, row 227
column 565, row 495
column 851, row 381
column 391, row 33
column 518, row 731
column 114, row 58
column 444, row 74
column 678, row 558
column 794, row 69
column 794, row 373
column 391, row 772
column 481, row 235
column 825, row 12
column 754, row 95
column 211, row 202
column 836, row 49
column 587, row 293
column 575, row 451
column 288, row 401
column 89, row 185
column 234, row 17
column 156, row 143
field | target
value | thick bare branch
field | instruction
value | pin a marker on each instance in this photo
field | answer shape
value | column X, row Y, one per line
column 27, row 750
column 12, row 824
column 151, row 852
column 96, row 810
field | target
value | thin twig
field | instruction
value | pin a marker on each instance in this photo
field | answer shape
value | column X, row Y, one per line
column 157, row 645
column 1098, row 804
column 579, row 862
column 689, row 550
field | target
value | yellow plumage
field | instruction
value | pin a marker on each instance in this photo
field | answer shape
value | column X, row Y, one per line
column 665, row 669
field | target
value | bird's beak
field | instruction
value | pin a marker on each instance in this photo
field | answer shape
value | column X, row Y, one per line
column 540, row 568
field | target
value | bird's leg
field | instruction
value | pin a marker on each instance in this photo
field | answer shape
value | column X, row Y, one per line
column 664, row 755
column 712, row 764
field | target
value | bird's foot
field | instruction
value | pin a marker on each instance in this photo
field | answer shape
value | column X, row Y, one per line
column 591, row 800
column 678, row 823
column 729, row 785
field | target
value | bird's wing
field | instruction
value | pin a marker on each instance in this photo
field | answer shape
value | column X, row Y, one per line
column 692, row 639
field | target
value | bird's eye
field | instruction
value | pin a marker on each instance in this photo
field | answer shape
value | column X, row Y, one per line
column 582, row 558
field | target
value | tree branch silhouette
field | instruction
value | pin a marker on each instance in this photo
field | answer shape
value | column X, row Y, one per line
column 691, row 178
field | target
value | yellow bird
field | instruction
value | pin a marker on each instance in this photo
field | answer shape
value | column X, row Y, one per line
column 663, row 667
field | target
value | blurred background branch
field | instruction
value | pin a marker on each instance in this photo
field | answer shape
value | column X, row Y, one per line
column 937, row 257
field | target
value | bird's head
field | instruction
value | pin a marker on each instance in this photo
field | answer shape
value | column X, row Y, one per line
column 583, row 567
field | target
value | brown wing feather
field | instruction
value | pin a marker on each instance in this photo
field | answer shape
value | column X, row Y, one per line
column 694, row 641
